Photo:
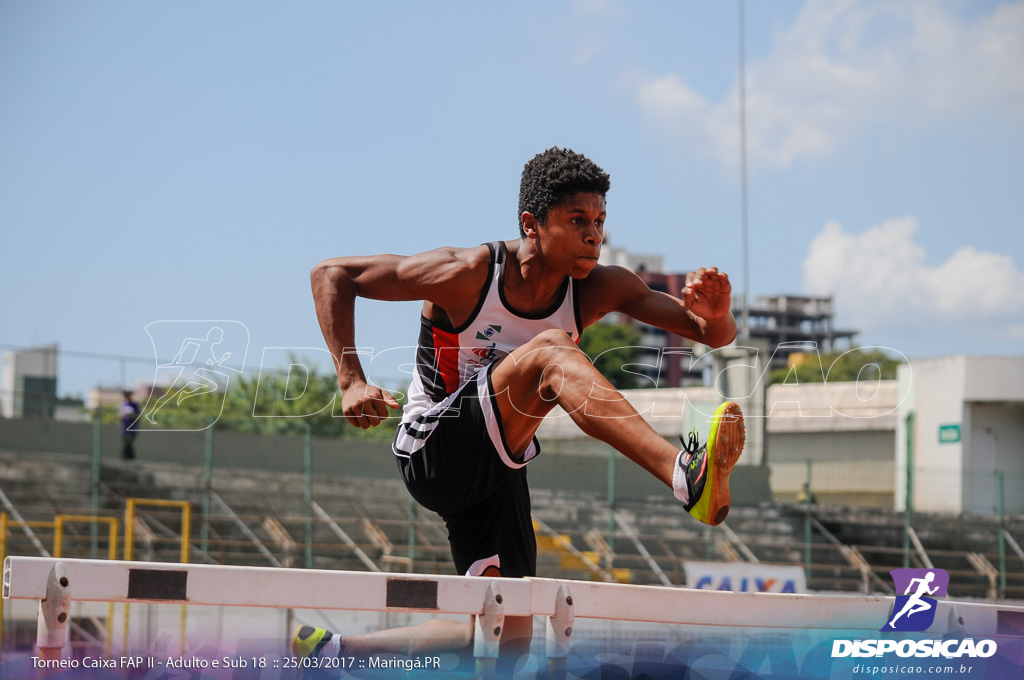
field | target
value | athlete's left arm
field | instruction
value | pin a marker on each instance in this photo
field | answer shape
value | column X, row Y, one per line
column 703, row 312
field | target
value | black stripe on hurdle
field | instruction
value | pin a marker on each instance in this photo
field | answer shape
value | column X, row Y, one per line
column 158, row 584
column 1010, row 623
column 407, row 593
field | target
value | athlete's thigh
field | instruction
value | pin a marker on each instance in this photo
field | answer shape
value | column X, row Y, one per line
column 522, row 381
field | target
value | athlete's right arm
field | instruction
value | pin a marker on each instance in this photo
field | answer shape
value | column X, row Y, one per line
column 441, row 277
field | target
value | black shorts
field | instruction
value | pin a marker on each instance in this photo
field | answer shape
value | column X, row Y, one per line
column 455, row 461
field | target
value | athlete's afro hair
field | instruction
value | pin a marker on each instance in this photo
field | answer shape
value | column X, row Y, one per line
column 554, row 175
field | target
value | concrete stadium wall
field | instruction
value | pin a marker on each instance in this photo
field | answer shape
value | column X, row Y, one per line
column 828, row 447
column 554, row 469
column 230, row 449
column 749, row 485
column 851, row 468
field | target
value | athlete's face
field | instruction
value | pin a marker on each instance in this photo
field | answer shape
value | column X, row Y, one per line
column 571, row 237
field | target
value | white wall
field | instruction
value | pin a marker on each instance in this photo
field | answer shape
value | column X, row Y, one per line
column 994, row 379
column 938, row 466
column 7, row 382
column 40, row 362
column 994, row 441
column 984, row 396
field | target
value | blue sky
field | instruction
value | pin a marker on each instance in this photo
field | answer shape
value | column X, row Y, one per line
column 192, row 160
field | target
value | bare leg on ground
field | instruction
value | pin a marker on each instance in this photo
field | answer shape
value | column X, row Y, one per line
column 438, row 635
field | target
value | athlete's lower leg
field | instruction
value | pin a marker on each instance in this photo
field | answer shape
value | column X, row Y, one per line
column 436, row 635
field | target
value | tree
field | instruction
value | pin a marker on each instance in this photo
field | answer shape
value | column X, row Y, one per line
column 839, row 366
column 279, row 401
column 612, row 348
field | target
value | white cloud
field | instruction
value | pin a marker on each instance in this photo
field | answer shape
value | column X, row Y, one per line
column 604, row 9
column 590, row 19
column 881, row 279
column 844, row 65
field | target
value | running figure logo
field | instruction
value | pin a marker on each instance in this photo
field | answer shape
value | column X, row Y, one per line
column 914, row 610
column 198, row 376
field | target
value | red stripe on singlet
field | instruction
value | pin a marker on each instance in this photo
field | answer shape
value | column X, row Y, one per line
column 447, row 347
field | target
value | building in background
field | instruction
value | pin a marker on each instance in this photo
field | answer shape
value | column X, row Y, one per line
column 112, row 397
column 786, row 324
column 668, row 360
column 953, row 427
column 839, row 437
column 28, row 383
column 790, row 323
column 104, row 397
column 960, row 434
column 620, row 257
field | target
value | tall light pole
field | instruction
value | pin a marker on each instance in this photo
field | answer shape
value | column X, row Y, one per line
column 745, row 326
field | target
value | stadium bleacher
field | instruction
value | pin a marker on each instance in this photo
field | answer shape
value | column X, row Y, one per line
column 259, row 517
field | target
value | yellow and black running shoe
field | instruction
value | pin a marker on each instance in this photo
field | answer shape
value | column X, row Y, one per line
column 707, row 466
column 309, row 641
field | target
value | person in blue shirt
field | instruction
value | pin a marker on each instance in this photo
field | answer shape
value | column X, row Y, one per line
column 128, row 413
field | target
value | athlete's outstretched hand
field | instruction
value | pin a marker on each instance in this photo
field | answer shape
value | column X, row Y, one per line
column 365, row 406
column 708, row 293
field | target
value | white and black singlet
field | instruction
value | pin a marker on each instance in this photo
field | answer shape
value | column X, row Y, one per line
column 450, row 445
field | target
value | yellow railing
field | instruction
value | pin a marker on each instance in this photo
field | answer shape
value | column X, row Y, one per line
column 58, row 550
column 58, row 531
column 129, row 522
column 129, row 534
column 3, row 553
column 59, row 523
column 4, row 525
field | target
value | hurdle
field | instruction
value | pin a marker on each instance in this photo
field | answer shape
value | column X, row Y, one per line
column 58, row 551
column 55, row 583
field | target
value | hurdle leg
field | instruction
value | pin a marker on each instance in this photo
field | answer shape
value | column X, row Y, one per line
column 559, row 633
column 52, row 621
column 487, row 631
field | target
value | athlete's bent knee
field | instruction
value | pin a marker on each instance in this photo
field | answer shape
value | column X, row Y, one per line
column 553, row 338
column 553, row 355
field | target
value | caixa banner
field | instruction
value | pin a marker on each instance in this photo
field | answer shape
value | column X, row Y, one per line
column 742, row 577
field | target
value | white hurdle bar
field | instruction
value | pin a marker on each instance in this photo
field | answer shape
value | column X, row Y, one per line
column 55, row 582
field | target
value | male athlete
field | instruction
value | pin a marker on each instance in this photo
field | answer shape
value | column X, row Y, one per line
column 497, row 352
